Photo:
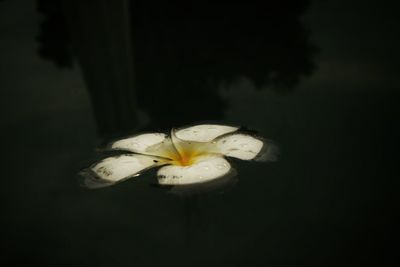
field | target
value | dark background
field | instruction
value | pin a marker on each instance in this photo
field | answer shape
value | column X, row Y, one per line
column 320, row 78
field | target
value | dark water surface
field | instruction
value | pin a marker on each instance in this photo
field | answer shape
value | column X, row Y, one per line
column 329, row 200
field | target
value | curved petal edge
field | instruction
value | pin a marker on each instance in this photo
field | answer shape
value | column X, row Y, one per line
column 116, row 169
column 203, row 132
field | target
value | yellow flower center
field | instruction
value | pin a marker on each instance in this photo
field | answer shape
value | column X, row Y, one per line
column 184, row 155
column 181, row 152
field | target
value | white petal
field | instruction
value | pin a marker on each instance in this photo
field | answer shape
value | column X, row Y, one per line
column 205, row 170
column 139, row 143
column 116, row 169
column 239, row 146
column 203, row 132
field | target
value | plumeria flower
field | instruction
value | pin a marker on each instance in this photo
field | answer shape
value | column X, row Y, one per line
column 188, row 156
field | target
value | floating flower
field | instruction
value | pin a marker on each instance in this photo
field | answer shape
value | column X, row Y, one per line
column 191, row 155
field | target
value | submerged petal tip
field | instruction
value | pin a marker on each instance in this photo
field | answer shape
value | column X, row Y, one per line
column 116, row 169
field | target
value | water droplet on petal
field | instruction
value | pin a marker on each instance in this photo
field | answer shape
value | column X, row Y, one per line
column 206, row 168
column 221, row 166
column 134, row 144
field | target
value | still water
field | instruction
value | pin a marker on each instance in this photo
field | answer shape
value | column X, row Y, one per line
column 327, row 201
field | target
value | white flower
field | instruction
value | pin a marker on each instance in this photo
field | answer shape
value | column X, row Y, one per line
column 192, row 155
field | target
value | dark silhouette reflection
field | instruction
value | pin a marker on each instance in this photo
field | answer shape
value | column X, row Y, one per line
column 101, row 38
column 53, row 38
column 183, row 52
